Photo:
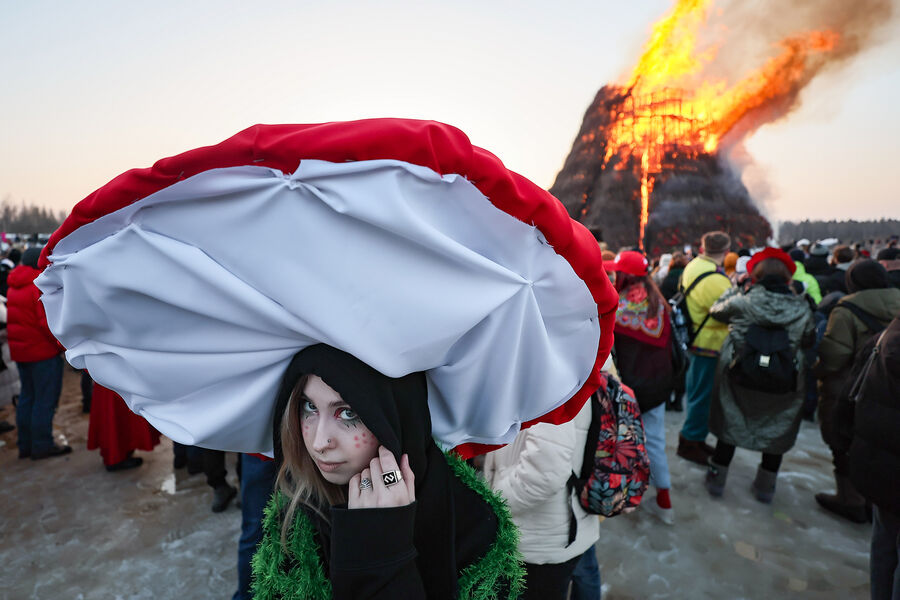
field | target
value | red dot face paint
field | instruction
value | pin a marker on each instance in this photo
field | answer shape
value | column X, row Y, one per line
column 350, row 446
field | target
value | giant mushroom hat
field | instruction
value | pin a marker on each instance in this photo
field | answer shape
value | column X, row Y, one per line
column 187, row 287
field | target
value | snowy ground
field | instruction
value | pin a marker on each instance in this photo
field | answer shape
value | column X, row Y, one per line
column 69, row 529
column 735, row 547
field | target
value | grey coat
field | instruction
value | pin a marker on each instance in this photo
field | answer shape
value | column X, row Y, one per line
column 749, row 418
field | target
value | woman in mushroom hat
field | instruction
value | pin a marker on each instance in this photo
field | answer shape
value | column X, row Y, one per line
column 395, row 244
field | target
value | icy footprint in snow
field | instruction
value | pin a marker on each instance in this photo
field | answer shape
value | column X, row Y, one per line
column 748, row 551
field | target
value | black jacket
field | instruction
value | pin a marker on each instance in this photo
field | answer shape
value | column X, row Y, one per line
column 875, row 450
column 646, row 369
column 835, row 282
column 670, row 284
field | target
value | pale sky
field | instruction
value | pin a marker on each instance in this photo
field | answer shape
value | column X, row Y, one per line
column 91, row 89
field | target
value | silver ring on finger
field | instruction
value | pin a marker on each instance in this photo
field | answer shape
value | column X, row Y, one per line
column 391, row 478
column 365, row 484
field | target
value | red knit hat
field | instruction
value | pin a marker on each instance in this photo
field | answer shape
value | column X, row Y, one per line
column 771, row 253
column 630, row 261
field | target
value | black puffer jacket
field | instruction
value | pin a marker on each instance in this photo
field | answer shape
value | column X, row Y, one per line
column 875, row 451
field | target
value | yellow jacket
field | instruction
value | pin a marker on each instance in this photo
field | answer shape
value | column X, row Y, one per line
column 710, row 339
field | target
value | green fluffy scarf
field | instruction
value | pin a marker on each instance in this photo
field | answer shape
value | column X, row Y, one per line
column 276, row 576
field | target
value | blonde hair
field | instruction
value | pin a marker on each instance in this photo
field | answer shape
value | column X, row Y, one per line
column 298, row 478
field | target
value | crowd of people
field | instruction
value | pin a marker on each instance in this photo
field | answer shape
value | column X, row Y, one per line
column 778, row 335
column 775, row 336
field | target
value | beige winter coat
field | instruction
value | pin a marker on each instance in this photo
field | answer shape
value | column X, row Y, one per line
column 531, row 475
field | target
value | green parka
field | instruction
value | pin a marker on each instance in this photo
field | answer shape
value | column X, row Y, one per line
column 845, row 332
column 810, row 283
column 844, row 336
column 749, row 418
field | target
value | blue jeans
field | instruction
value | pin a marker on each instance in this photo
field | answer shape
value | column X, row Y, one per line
column 257, row 483
column 701, row 376
column 655, row 442
column 884, row 558
column 41, row 386
column 586, row 578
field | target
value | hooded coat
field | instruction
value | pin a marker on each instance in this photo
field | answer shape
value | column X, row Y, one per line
column 433, row 548
column 754, row 419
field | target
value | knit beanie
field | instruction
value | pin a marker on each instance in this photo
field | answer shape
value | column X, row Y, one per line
column 30, row 256
column 866, row 274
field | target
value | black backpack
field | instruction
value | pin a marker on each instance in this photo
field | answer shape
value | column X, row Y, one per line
column 765, row 362
column 842, row 425
column 683, row 329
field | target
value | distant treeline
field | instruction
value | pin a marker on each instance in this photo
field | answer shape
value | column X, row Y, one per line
column 27, row 218
column 846, row 231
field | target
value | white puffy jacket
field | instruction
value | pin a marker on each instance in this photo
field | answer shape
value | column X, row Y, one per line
column 531, row 474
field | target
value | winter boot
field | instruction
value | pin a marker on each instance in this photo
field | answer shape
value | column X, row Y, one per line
column 132, row 462
column 715, row 479
column 696, row 452
column 222, row 497
column 54, row 450
column 846, row 503
column 764, row 485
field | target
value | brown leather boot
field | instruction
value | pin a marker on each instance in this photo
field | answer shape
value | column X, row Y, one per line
column 696, row 452
column 846, row 503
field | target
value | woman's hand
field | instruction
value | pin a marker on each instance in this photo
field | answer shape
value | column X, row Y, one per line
column 380, row 495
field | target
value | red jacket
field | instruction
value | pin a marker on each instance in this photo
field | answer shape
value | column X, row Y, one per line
column 30, row 339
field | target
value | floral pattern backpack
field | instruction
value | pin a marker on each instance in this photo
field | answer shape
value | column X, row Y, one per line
column 616, row 467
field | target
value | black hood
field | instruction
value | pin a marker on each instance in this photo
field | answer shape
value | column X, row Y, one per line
column 396, row 411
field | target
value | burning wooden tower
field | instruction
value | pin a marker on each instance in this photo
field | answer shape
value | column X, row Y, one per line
column 648, row 167
column 640, row 175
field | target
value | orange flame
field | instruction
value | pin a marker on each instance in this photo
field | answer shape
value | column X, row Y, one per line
column 646, row 186
column 671, row 110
